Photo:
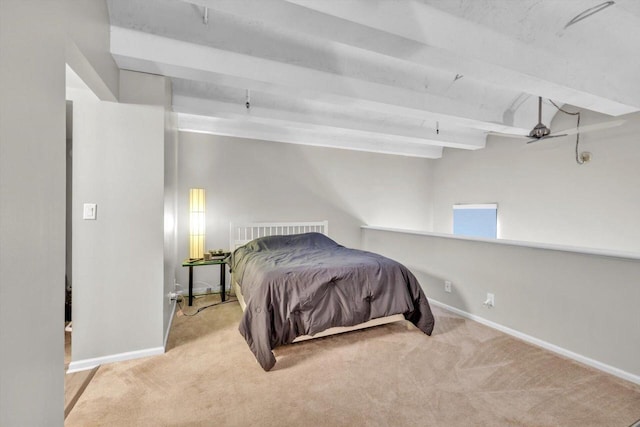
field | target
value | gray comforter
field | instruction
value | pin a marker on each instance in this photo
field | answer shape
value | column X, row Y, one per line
column 303, row 284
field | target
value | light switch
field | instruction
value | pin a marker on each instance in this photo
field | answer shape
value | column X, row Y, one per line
column 89, row 211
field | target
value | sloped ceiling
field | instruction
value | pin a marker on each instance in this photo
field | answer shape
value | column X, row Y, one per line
column 404, row 77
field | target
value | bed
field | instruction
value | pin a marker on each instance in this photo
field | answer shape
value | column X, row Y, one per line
column 293, row 283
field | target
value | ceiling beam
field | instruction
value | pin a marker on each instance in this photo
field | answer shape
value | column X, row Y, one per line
column 147, row 52
column 436, row 69
column 266, row 132
column 317, row 122
column 479, row 52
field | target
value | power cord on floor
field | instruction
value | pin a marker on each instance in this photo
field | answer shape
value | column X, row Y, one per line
column 181, row 299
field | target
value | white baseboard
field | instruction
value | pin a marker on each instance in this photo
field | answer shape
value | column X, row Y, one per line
column 540, row 343
column 83, row 365
column 204, row 291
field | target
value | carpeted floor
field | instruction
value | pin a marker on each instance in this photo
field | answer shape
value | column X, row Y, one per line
column 466, row 374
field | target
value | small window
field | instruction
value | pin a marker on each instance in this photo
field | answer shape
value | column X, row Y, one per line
column 476, row 220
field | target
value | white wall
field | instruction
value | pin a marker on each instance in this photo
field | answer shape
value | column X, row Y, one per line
column 586, row 304
column 250, row 180
column 170, row 216
column 88, row 46
column 34, row 37
column 32, row 206
column 543, row 195
column 144, row 88
column 151, row 89
column 118, row 163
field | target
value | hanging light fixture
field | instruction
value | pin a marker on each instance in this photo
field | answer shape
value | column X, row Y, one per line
column 196, row 222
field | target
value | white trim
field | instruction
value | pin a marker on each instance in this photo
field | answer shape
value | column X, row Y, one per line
column 166, row 334
column 83, row 365
column 207, row 290
column 544, row 344
column 534, row 245
column 475, row 206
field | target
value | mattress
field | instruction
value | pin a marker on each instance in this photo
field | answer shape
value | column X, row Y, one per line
column 307, row 283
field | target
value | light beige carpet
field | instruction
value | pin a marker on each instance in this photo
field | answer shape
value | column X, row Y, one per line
column 466, row 374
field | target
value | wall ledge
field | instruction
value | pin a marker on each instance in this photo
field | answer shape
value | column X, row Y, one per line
column 534, row 245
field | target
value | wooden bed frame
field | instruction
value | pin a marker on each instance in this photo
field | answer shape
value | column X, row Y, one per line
column 241, row 234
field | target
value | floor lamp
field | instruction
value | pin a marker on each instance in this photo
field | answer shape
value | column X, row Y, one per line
column 196, row 223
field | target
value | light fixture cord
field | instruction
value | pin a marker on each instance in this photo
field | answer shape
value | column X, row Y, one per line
column 577, row 113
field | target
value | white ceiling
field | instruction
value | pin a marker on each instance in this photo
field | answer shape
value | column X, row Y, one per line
column 393, row 76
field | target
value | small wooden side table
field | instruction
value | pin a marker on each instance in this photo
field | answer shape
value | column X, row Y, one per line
column 220, row 260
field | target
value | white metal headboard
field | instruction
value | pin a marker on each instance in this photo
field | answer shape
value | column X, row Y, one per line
column 245, row 232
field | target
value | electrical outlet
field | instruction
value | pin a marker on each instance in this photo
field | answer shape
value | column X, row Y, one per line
column 447, row 286
column 490, row 301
